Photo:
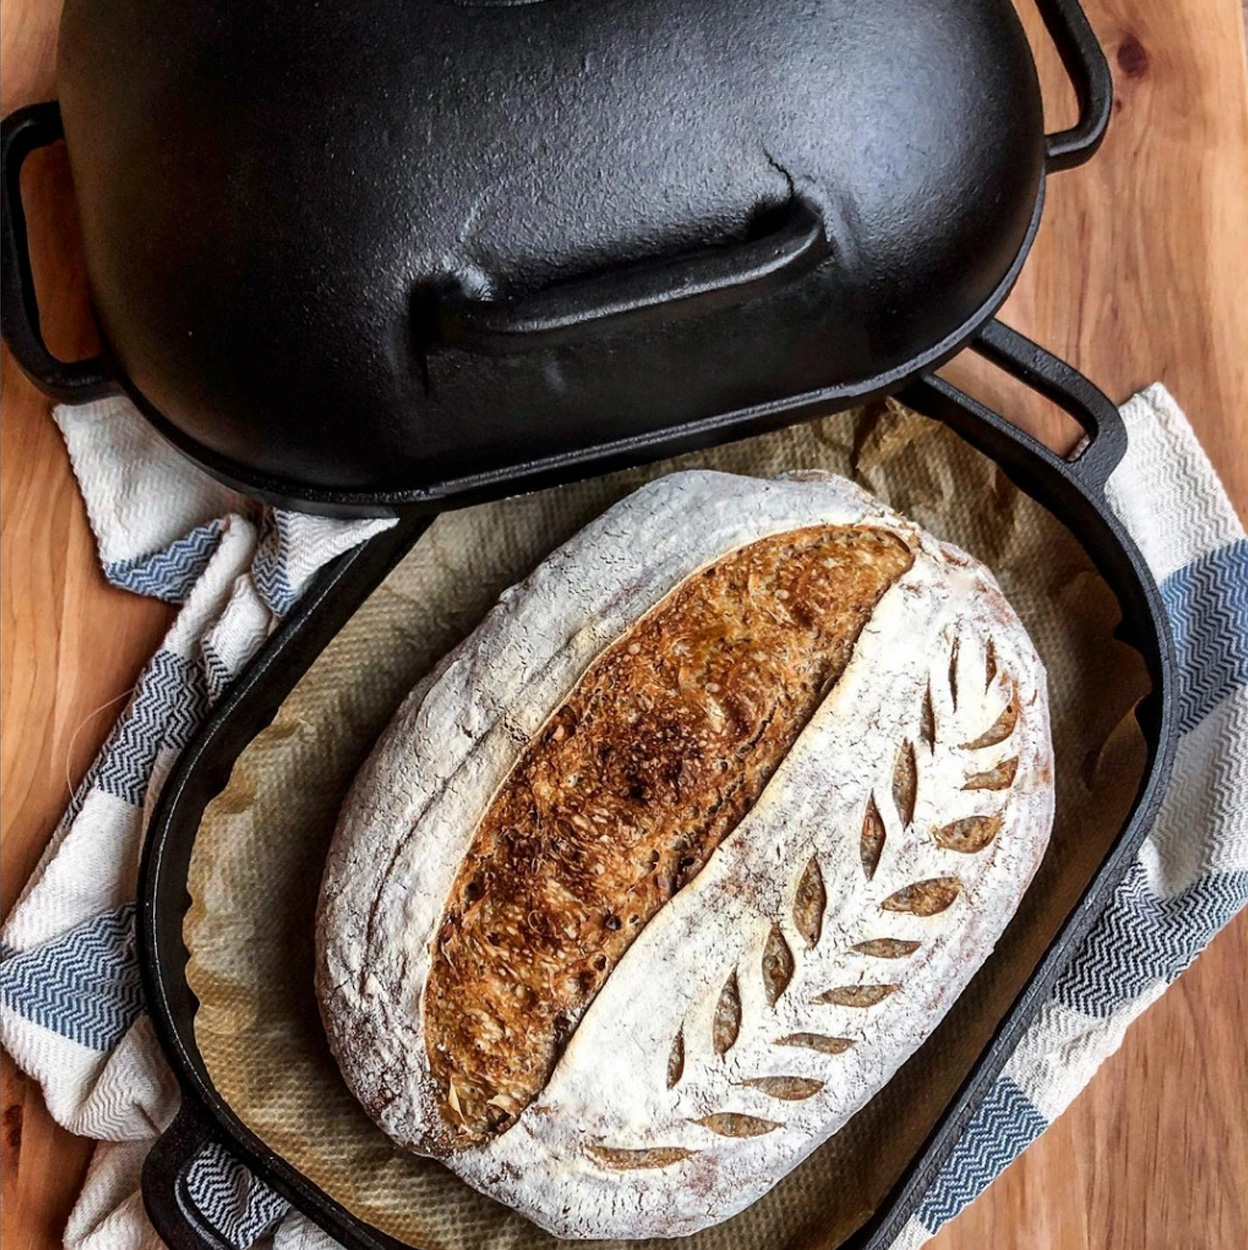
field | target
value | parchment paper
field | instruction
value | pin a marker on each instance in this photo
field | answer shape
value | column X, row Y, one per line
column 258, row 858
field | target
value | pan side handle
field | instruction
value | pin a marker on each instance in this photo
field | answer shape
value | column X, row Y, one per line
column 23, row 132
column 1105, row 442
column 176, row 1210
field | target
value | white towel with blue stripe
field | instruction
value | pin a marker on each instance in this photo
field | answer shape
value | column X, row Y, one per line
column 71, row 1012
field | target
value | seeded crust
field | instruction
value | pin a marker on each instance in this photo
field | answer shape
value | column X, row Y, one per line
column 661, row 748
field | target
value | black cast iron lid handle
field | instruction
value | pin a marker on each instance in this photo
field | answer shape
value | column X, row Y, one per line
column 21, row 133
column 694, row 283
column 1089, row 74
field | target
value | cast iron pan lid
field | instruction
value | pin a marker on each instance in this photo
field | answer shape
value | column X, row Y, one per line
column 399, row 250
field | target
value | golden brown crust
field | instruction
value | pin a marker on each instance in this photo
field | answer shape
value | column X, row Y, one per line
column 656, row 754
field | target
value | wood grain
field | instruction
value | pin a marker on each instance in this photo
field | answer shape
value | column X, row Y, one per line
column 1139, row 273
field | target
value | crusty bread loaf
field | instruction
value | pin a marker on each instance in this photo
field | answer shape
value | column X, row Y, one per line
column 668, row 867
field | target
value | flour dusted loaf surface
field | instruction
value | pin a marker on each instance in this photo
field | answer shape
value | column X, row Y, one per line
column 664, row 871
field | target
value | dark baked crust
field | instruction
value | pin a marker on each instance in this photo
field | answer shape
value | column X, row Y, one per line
column 656, row 754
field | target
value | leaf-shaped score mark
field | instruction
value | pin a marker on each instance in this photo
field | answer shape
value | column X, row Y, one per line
column 871, row 843
column 734, row 1124
column 785, row 1088
column 925, row 898
column 676, row 1060
column 855, row 995
column 632, row 1160
column 1000, row 729
column 777, row 965
column 727, row 1025
column 999, row 778
column 886, row 948
column 905, row 782
column 809, row 904
column 969, row 835
column 820, row 1042
column 927, row 719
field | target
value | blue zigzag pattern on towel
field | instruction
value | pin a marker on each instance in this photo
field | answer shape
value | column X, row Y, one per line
column 237, row 1205
column 83, row 985
column 269, row 569
column 1003, row 1126
column 170, row 573
column 1141, row 939
column 216, row 671
column 1207, row 603
column 79, row 795
column 169, row 703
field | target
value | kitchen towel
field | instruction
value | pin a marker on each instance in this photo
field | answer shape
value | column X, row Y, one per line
column 70, row 1005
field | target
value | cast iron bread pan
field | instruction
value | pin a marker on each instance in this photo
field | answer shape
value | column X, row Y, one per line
column 1072, row 490
column 404, row 251
column 277, row 290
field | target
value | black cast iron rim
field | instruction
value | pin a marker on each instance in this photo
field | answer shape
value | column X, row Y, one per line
column 1072, row 490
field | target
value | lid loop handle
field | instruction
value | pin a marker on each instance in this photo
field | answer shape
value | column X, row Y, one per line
column 25, row 131
column 694, row 283
column 1089, row 74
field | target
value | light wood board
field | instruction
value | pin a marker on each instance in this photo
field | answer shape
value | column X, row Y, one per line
column 1140, row 273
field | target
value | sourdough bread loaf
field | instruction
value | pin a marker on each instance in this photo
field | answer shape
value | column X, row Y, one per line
column 664, row 871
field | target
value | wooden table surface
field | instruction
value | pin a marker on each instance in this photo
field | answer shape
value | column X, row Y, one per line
column 1140, row 273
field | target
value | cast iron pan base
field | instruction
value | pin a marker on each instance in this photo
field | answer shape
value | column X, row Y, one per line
column 1074, row 491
